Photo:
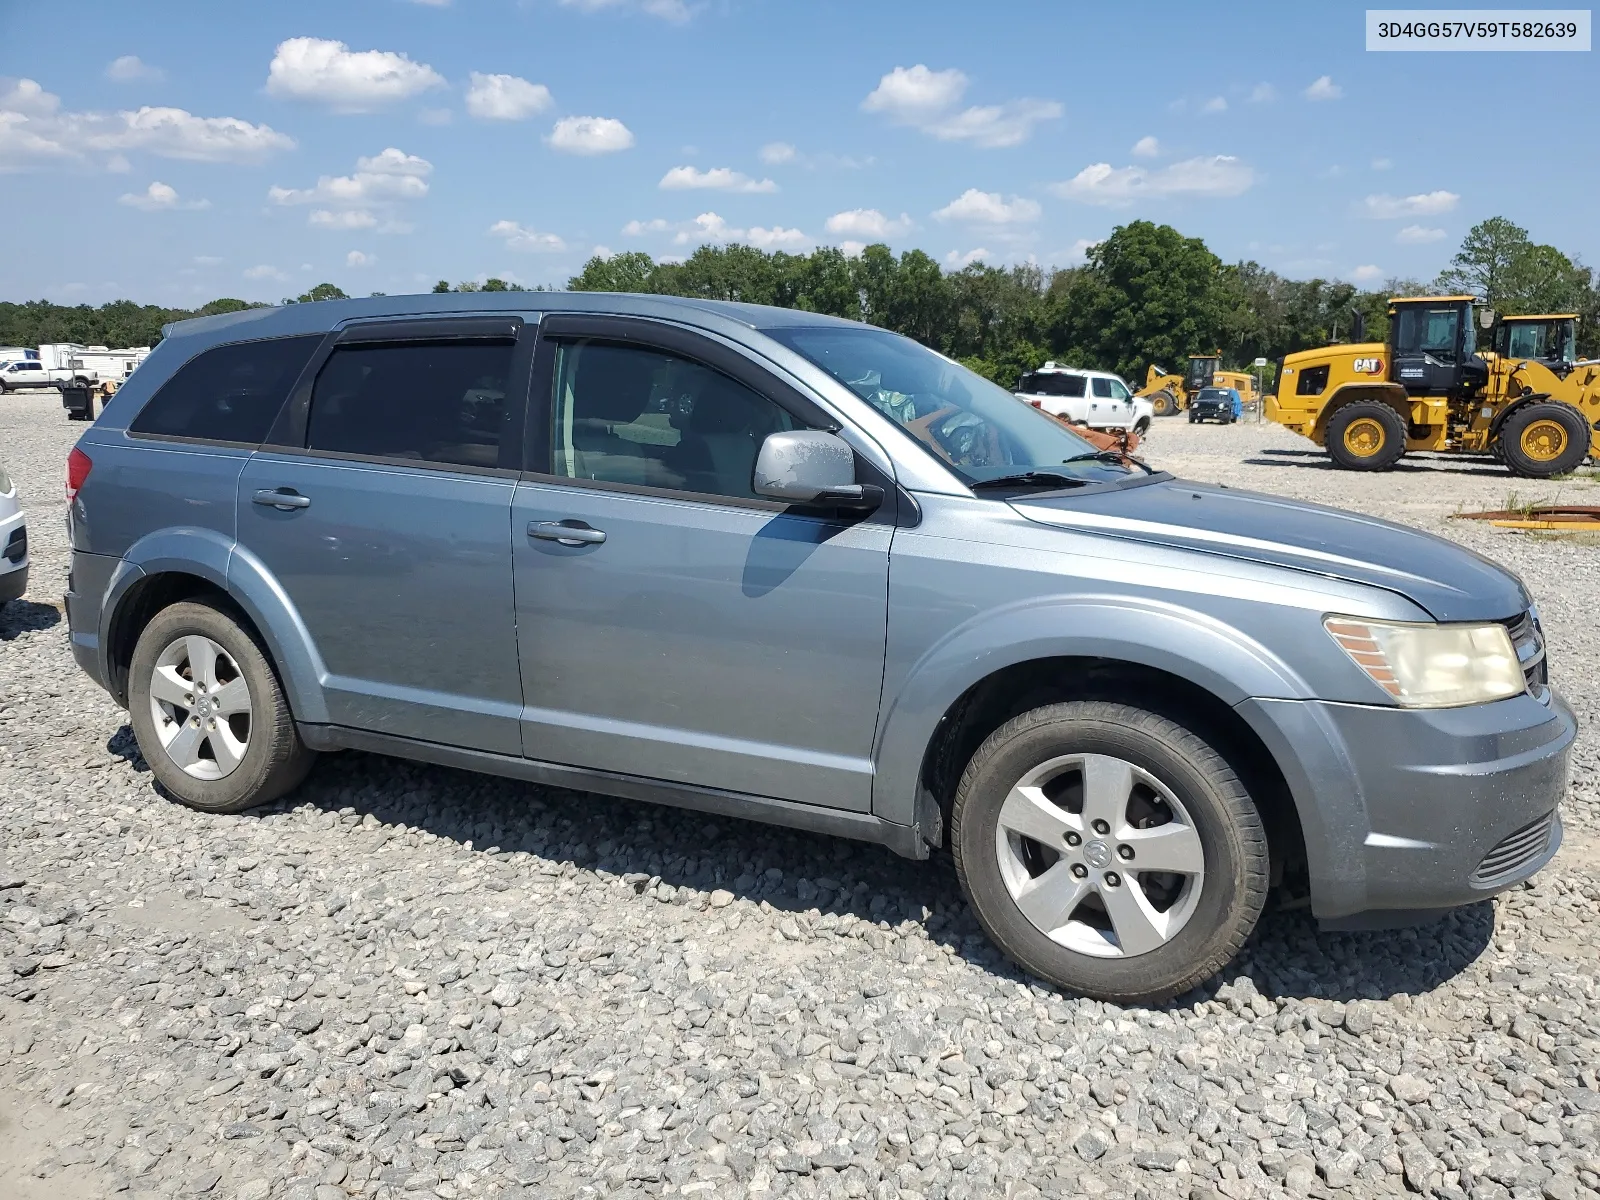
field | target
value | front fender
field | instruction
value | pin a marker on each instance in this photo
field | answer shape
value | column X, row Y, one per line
column 1180, row 641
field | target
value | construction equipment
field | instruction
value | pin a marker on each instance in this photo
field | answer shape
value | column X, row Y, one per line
column 1430, row 388
column 1170, row 394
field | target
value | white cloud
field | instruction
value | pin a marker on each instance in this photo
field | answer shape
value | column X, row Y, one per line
column 926, row 100
column 35, row 131
column 852, row 249
column 1101, row 183
column 1324, row 88
column 722, row 179
column 160, row 197
column 329, row 72
column 350, row 218
column 1263, row 93
column 1424, row 204
column 601, row 251
column 505, row 97
column 1146, row 147
column 1080, row 250
column 1382, row 164
column 774, row 153
column 520, row 237
column 118, row 164
column 989, row 208
column 380, row 180
column 1413, row 235
column 668, row 10
column 710, row 227
column 1366, row 274
column 957, row 259
column 357, row 259
column 265, row 272
column 207, row 260
column 868, row 223
column 131, row 69
column 640, row 228
column 590, row 135
column 1214, row 105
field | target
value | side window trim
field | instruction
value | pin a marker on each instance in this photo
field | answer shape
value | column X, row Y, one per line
column 292, row 428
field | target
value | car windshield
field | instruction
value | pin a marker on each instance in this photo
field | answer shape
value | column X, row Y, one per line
column 974, row 427
column 1213, row 394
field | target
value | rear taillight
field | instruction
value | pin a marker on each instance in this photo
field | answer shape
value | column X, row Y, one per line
column 79, row 465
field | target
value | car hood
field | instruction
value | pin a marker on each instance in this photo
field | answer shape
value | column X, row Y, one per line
column 1450, row 582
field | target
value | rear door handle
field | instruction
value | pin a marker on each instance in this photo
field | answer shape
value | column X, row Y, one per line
column 282, row 498
column 568, row 533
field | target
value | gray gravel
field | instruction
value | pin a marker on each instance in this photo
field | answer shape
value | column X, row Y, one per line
column 414, row 982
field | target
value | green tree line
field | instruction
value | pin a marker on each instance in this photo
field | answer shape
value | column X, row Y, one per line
column 1147, row 295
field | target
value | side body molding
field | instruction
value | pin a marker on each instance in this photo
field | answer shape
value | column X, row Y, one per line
column 1150, row 633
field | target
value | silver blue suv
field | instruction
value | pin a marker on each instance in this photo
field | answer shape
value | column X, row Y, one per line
column 769, row 564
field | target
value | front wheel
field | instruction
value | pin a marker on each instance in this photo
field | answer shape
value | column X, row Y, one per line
column 209, row 714
column 1542, row 440
column 1109, row 850
column 1164, row 403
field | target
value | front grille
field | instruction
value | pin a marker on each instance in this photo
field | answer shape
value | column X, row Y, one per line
column 16, row 545
column 1528, row 640
column 1514, row 852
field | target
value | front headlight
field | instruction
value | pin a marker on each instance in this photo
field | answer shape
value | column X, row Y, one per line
column 1432, row 666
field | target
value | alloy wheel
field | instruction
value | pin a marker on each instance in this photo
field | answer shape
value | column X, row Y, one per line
column 1099, row 855
column 200, row 705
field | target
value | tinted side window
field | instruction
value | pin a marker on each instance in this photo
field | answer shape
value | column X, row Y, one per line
column 1102, row 388
column 625, row 414
column 1056, row 385
column 229, row 393
column 440, row 402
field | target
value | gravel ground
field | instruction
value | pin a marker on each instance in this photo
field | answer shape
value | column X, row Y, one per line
column 416, row 982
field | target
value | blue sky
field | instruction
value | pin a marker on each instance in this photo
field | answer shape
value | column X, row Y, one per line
column 175, row 152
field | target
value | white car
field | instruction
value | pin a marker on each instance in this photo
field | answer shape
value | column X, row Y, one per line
column 13, row 542
column 1097, row 399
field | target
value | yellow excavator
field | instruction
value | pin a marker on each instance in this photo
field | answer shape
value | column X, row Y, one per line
column 1170, row 394
column 1525, row 399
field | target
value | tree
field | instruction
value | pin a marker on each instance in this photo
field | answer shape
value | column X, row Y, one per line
column 442, row 286
column 630, row 272
column 1489, row 258
column 323, row 291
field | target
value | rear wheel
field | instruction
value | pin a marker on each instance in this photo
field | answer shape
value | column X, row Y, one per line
column 1164, row 403
column 1366, row 436
column 1109, row 850
column 1542, row 440
column 209, row 715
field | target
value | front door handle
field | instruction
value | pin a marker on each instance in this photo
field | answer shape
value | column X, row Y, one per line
column 283, row 499
column 568, row 533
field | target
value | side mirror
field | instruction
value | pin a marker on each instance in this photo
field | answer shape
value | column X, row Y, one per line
column 1486, row 318
column 809, row 466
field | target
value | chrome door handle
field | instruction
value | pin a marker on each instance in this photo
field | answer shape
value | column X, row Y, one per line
column 575, row 534
column 284, row 499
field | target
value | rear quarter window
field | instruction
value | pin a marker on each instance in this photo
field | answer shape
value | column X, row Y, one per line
column 228, row 393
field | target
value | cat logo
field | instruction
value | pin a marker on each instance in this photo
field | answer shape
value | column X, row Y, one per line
column 1368, row 366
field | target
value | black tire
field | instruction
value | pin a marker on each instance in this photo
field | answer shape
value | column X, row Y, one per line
column 1164, row 403
column 1142, row 426
column 1366, row 436
column 1224, row 818
column 1193, row 420
column 275, row 760
column 1544, row 439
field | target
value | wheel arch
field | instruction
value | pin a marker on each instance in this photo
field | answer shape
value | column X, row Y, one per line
column 1527, row 399
column 174, row 565
column 1391, row 395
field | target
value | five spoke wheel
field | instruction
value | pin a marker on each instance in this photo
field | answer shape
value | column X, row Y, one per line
column 1099, row 855
column 200, row 707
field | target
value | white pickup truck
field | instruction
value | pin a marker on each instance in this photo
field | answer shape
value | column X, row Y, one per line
column 31, row 373
column 1097, row 399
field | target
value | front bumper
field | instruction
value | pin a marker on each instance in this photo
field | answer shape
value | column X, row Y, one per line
column 1410, row 812
column 13, row 581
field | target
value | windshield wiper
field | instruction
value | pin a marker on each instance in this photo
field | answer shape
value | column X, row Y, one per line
column 1109, row 456
column 1031, row 479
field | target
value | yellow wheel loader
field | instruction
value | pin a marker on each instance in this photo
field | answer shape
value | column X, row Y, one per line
column 1527, row 402
column 1170, row 394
